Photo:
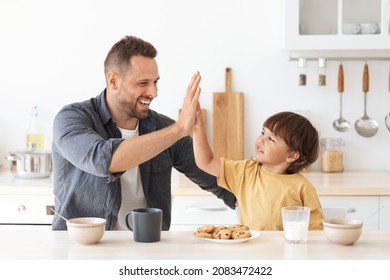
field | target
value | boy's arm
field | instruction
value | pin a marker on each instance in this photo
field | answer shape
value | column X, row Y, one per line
column 311, row 200
column 204, row 157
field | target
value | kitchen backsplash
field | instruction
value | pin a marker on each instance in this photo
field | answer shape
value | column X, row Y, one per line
column 49, row 61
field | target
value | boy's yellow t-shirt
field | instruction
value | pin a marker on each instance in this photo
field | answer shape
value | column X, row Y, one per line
column 262, row 193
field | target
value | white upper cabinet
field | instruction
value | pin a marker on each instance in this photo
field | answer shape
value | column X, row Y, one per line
column 336, row 24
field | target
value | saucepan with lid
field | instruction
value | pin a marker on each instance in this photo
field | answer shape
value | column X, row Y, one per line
column 30, row 163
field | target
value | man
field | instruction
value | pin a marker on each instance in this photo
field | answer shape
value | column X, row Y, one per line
column 112, row 154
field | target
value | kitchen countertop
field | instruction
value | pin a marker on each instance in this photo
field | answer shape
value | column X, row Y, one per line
column 116, row 245
column 12, row 185
column 361, row 183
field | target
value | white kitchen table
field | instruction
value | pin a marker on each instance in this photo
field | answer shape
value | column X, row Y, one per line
column 181, row 245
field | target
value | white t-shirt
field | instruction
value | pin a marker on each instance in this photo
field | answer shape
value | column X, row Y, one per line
column 131, row 187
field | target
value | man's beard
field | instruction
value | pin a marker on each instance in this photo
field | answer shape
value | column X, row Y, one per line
column 131, row 109
column 136, row 114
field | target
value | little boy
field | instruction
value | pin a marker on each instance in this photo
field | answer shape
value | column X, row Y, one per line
column 287, row 144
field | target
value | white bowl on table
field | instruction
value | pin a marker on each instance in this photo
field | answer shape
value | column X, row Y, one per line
column 86, row 230
column 343, row 231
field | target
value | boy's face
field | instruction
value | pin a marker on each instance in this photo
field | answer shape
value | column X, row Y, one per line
column 273, row 152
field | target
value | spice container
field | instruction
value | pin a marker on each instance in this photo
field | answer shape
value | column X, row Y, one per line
column 332, row 155
column 302, row 71
column 321, row 71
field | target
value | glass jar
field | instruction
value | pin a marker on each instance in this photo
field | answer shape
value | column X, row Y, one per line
column 302, row 71
column 332, row 155
column 321, row 71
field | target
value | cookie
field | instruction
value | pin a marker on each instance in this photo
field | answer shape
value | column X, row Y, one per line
column 206, row 228
column 220, row 227
column 240, row 234
column 203, row 235
column 222, row 234
column 238, row 226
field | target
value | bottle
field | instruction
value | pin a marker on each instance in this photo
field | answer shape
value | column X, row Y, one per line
column 34, row 132
column 332, row 155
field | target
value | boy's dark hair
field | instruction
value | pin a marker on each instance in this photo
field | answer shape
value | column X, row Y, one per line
column 299, row 134
column 118, row 57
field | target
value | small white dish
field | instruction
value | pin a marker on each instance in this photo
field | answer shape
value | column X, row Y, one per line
column 255, row 234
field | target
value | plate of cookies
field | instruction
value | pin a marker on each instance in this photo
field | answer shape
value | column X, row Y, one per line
column 226, row 234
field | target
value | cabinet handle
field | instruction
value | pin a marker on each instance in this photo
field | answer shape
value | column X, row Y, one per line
column 350, row 210
column 22, row 209
column 205, row 208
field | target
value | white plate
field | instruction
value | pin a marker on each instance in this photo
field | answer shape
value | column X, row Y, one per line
column 255, row 234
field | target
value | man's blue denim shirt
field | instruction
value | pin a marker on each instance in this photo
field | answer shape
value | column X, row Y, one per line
column 84, row 139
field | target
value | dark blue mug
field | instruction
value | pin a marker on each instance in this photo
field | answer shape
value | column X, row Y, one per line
column 146, row 224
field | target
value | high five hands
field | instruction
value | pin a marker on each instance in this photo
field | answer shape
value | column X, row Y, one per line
column 188, row 112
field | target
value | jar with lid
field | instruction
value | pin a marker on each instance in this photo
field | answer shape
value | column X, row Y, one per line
column 332, row 155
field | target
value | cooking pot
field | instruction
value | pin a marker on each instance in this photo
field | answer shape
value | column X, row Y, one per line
column 30, row 164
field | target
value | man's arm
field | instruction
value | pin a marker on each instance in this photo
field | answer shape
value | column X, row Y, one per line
column 184, row 162
column 132, row 152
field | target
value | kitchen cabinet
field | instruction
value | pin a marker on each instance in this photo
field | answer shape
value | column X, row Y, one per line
column 26, row 209
column 384, row 213
column 336, row 24
column 190, row 212
column 25, row 203
column 360, row 207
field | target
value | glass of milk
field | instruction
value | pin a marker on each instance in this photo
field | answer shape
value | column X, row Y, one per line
column 295, row 223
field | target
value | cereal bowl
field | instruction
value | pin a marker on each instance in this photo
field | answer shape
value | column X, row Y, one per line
column 87, row 230
column 343, row 231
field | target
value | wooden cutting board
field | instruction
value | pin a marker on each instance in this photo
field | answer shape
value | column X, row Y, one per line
column 228, row 122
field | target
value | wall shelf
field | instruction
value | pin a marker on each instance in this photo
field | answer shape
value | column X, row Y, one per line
column 328, row 25
column 340, row 58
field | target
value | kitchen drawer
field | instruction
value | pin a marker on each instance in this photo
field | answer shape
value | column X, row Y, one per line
column 26, row 209
column 189, row 212
column 360, row 207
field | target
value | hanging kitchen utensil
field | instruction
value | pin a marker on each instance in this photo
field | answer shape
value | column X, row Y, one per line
column 387, row 118
column 365, row 126
column 341, row 124
column 228, row 122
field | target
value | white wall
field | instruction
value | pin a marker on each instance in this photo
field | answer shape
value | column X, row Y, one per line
column 52, row 54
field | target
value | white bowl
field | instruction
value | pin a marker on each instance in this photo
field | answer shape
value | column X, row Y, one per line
column 86, row 230
column 343, row 231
